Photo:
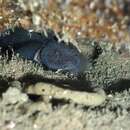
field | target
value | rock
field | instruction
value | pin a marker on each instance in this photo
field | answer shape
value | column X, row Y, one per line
column 13, row 96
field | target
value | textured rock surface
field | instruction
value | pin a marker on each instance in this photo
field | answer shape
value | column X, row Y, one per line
column 109, row 71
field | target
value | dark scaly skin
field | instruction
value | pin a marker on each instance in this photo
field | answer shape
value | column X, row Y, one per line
column 60, row 56
column 54, row 55
column 19, row 37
